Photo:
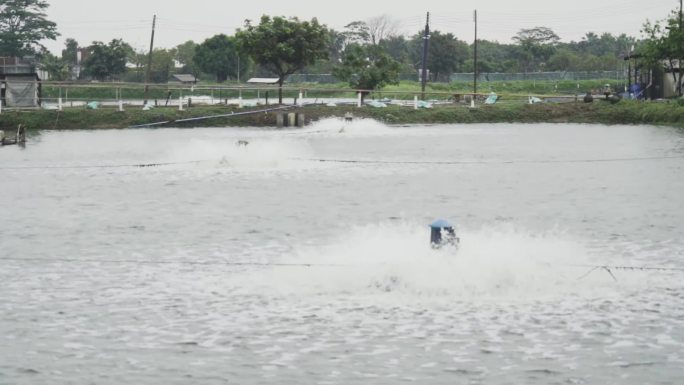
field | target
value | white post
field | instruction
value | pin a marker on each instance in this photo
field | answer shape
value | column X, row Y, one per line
column 121, row 105
column 359, row 102
column 59, row 104
column 300, row 100
column 1, row 107
column 415, row 102
column 180, row 103
column 472, row 102
column 240, row 99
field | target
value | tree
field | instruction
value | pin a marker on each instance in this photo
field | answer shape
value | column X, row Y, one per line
column 162, row 65
column 185, row 54
column 218, row 55
column 23, row 25
column 446, row 53
column 284, row 46
column 70, row 51
column 357, row 32
column 105, row 61
column 564, row 60
column 56, row 67
column 664, row 47
column 536, row 46
column 367, row 68
column 397, row 47
column 380, row 28
column 493, row 56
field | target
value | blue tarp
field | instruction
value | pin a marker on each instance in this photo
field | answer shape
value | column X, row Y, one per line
column 440, row 224
column 491, row 99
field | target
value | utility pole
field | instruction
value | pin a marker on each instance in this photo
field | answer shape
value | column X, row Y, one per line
column 424, row 71
column 679, row 88
column 149, row 61
column 475, row 73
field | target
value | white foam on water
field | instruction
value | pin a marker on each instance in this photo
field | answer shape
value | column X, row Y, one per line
column 491, row 263
column 338, row 127
column 255, row 153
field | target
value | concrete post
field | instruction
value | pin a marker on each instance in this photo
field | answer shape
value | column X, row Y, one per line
column 300, row 99
column 359, row 101
column 291, row 119
column 59, row 104
column 415, row 102
column 121, row 105
column 180, row 103
column 301, row 118
column 240, row 99
column 280, row 120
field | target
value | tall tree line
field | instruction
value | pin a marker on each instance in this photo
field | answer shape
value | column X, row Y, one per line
column 366, row 53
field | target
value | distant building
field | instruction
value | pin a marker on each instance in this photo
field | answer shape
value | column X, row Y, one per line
column 271, row 81
column 19, row 83
column 183, row 79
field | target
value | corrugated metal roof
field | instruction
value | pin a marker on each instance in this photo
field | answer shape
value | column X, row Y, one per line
column 263, row 80
column 184, row 78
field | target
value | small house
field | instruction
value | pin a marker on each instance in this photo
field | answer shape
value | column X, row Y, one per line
column 267, row 81
column 183, row 79
column 19, row 83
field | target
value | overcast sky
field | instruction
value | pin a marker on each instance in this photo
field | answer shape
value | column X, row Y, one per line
column 179, row 21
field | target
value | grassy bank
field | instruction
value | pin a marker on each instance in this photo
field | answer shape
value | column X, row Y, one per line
column 404, row 90
column 625, row 112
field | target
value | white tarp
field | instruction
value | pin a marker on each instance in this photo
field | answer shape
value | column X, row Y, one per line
column 21, row 93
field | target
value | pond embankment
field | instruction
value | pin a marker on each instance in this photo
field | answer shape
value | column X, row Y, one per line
column 599, row 112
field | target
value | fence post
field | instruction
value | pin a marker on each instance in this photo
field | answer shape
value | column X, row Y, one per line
column 121, row 105
column 300, row 99
column 180, row 103
column 359, row 101
column 415, row 102
column 59, row 104
column 240, row 99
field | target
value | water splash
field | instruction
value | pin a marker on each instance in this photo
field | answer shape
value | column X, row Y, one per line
column 338, row 127
column 497, row 262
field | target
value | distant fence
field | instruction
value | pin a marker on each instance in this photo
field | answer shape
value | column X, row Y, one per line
column 483, row 77
column 61, row 95
column 331, row 79
column 540, row 76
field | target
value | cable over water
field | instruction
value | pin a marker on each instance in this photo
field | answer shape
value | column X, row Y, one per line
column 363, row 161
column 608, row 268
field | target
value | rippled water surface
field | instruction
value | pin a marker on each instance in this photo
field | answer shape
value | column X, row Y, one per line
column 304, row 257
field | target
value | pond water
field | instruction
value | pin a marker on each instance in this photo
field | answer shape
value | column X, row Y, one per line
column 176, row 256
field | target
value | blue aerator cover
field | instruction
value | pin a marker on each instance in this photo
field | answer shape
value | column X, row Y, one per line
column 441, row 224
